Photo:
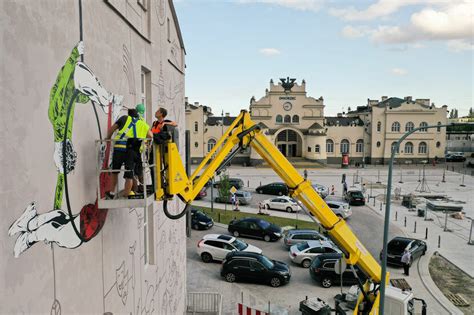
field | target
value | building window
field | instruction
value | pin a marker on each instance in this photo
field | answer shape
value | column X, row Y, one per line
column 296, row 119
column 409, row 126
column 439, row 128
column 396, row 127
column 344, row 146
column 408, row 148
column 422, row 148
column 438, row 144
column 168, row 29
column 379, row 126
column 378, row 144
column 317, row 148
column 211, row 144
column 329, row 146
column 196, row 144
column 145, row 92
column 395, row 147
column 288, row 119
column 279, row 119
column 422, row 125
column 309, row 149
column 360, row 146
column 196, row 126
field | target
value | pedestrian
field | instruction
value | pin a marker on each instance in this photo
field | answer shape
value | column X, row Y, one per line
column 344, row 188
column 305, row 174
column 127, row 144
column 236, row 204
column 332, row 190
column 406, row 261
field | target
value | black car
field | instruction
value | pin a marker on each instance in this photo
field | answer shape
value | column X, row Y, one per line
column 200, row 220
column 236, row 182
column 397, row 246
column 255, row 227
column 253, row 267
column 322, row 271
column 355, row 197
column 455, row 158
column 279, row 189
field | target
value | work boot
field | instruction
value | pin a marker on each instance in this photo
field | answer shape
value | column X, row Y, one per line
column 21, row 225
column 109, row 195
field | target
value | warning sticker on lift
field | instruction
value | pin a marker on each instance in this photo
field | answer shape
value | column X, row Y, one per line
column 361, row 248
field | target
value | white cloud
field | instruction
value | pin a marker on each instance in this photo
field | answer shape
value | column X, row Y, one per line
column 304, row 5
column 460, row 45
column 353, row 32
column 399, row 71
column 269, row 51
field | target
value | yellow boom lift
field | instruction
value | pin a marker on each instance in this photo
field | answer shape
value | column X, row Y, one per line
column 171, row 180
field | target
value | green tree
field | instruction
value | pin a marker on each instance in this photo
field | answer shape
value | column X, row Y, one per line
column 471, row 113
column 456, row 113
column 224, row 187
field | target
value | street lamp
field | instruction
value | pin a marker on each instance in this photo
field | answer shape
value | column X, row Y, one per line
column 387, row 209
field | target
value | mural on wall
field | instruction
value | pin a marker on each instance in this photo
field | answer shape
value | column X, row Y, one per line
column 75, row 83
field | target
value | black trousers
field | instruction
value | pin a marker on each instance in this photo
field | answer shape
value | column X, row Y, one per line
column 406, row 269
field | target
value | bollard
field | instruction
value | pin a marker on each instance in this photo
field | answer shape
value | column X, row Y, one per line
column 381, row 206
column 248, row 183
column 260, row 183
column 426, row 233
column 414, row 229
column 444, row 177
column 462, row 184
column 405, row 223
column 439, row 241
column 374, row 200
column 219, row 217
column 396, row 215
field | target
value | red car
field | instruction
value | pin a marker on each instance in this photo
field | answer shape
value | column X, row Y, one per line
column 202, row 193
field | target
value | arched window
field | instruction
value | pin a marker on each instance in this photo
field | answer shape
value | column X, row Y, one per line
column 287, row 119
column 396, row 127
column 309, row 149
column 438, row 144
column 378, row 144
column 296, row 119
column 329, row 146
column 344, row 146
column 317, row 148
column 439, row 128
column 393, row 147
column 424, row 124
column 211, row 143
column 360, row 146
column 422, row 148
column 409, row 126
column 408, row 148
column 279, row 119
column 379, row 126
column 196, row 144
column 195, row 126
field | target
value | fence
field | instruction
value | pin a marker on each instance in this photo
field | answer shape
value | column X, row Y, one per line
column 204, row 303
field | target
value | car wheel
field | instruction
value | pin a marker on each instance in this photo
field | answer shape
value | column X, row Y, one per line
column 267, row 238
column 326, row 282
column 288, row 209
column 196, row 227
column 230, row 277
column 275, row 282
column 236, row 233
column 206, row 257
column 280, row 193
column 260, row 191
column 306, row 263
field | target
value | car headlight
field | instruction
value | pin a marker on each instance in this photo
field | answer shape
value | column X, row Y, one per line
column 204, row 223
column 277, row 234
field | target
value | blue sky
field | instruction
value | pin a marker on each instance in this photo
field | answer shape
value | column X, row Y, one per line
column 346, row 51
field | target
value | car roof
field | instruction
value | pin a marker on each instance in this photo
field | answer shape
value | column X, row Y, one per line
column 219, row 237
column 326, row 256
column 354, row 190
column 295, row 231
column 339, row 203
column 403, row 239
column 244, row 254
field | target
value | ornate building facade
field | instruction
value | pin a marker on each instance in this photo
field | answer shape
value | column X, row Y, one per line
column 296, row 124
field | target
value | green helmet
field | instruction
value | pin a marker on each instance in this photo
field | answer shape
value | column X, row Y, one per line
column 140, row 109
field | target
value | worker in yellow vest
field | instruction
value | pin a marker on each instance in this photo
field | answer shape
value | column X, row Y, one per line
column 127, row 143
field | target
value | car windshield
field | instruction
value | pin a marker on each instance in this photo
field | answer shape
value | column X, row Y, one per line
column 264, row 224
column 302, row 246
column 240, row 245
column 292, row 200
column 397, row 246
column 266, row 262
column 357, row 194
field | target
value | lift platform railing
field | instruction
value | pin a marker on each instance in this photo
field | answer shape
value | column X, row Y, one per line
column 105, row 151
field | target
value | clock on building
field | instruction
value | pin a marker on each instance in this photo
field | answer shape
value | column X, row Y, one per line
column 287, row 106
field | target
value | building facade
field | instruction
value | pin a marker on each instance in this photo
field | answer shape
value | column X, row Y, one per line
column 136, row 264
column 296, row 124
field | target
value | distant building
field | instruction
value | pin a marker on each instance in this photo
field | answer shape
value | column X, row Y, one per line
column 296, row 124
column 460, row 138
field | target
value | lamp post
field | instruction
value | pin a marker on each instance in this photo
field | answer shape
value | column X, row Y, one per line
column 387, row 208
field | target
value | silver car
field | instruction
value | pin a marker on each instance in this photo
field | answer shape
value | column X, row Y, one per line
column 293, row 237
column 244, row 197
column 303, row 253
column 340, row 208
column 322, row 191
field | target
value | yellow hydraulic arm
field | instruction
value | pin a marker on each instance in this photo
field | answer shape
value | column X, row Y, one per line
column 243, row 132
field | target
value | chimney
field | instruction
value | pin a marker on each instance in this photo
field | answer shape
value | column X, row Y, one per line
column 384, row 98
column 186, row 100
column 227, row 114
column 408, row 98
column 196, row 103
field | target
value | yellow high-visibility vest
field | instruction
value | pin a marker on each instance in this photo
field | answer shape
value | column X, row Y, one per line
column 133, row 128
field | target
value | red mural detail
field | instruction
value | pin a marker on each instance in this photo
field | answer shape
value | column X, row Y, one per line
column 92, row 220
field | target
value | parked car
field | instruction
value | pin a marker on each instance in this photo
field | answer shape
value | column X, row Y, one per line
column 455, row 158
column 279, row 189
column 217, row 246
column 303, row 253
column 200, row 220
column 235, row 182
column 322, row 191
column 355, row 197
column 281, row 203
column 202, row 193
column 293, row 237
column 322, row 271
column 244, row 198
column 205, row 185
column 244, row 266
column 397, row 246
column 341, row 209
column 255, row 227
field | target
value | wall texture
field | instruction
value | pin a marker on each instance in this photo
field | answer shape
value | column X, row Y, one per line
column 125, row 41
